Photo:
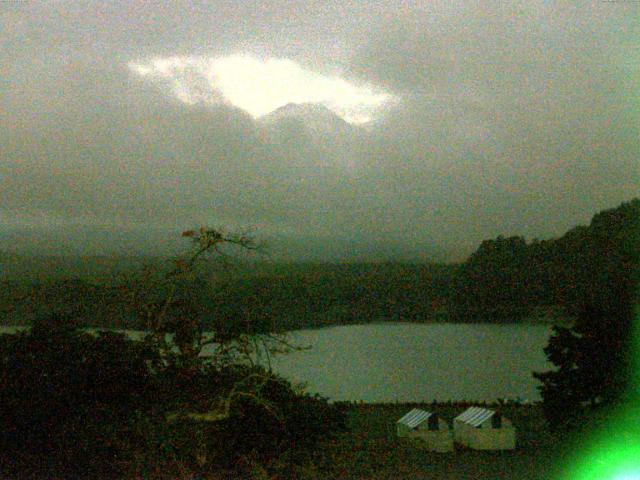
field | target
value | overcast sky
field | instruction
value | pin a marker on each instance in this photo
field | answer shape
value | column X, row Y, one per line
column 461, row 120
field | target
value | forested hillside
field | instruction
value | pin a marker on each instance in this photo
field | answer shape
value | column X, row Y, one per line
column 506, row 279
column 290, row 296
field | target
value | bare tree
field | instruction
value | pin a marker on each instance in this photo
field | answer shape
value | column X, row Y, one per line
column 179, row 328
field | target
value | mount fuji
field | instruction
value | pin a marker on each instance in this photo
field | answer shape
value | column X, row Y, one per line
column 313, row 132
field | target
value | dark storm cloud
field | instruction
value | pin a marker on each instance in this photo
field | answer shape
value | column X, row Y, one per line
column 508, row 120
column 294, row 29
column 525, row 115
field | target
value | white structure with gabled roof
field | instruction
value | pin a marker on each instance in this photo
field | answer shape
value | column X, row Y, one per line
column 432, row 430
column 483, row 429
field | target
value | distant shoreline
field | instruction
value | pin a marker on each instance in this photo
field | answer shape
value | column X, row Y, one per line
column 563, row 322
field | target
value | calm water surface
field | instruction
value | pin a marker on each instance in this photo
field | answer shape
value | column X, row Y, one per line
column 417, row 362
column 413, row 362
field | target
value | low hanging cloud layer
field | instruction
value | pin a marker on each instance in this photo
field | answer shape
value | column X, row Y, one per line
column 432, row 125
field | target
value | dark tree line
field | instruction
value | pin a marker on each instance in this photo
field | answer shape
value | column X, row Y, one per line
column 507, row 277
column 504, row 280
column 594, row 358
column 282, row 297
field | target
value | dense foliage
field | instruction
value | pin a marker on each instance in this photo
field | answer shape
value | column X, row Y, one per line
column 594, row 357
column 67, row 398
column 507, row 277
column 82, row 405
column 283, row 297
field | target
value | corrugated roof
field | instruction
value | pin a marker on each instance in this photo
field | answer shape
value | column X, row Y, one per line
column 475, row 416
column 414, row 418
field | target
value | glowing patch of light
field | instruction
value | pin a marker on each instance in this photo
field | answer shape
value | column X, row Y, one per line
column 608, row 460
column 613, row 452
column 261, row 86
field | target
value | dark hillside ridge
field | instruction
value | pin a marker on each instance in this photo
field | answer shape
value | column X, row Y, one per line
column 506, row 277
column 505, row 280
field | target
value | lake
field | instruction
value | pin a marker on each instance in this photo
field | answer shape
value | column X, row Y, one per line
column 419, row 362
column 409, row 362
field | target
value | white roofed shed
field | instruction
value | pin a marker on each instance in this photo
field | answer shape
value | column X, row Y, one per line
column 483, row 429
column 428, row 427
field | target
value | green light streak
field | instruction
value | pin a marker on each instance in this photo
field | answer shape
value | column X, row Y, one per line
column 613, row 452
column 635, row 370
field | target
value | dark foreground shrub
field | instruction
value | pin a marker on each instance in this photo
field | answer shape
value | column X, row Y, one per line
column 81, row 405
column 266, row 424
column 67, row 398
